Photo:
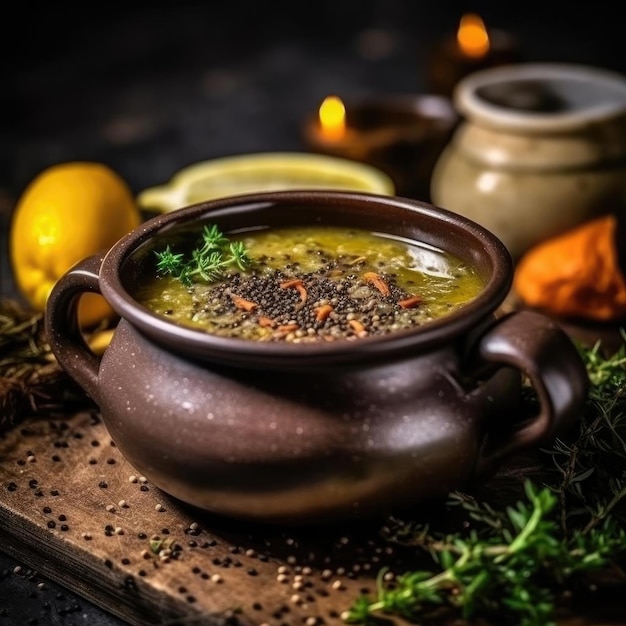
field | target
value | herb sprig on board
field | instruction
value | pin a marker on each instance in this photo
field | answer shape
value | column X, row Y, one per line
column 512, row 563
column 206, row 262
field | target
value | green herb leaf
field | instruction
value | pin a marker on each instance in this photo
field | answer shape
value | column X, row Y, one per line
column 207, row 262
column 512, row 565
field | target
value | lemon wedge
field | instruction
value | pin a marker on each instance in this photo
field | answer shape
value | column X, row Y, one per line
column 274, row 171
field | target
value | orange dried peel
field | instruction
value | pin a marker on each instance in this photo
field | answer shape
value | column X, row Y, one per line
column 576, row 274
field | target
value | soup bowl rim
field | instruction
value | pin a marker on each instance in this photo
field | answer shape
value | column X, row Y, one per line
column 197, row 343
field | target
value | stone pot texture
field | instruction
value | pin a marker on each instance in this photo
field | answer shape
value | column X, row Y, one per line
column 540, row 149
column 301, row 433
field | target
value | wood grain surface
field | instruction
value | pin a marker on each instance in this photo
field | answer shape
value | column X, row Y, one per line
column 74, row 508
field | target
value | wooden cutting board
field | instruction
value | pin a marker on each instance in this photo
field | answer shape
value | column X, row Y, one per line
column 74, row 509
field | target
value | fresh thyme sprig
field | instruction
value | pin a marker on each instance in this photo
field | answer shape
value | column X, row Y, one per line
column 590, row 466
column 207, row 262
column 512, row 562
column 512, row 567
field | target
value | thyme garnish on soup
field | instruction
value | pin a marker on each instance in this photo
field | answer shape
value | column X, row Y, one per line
column 206, row 262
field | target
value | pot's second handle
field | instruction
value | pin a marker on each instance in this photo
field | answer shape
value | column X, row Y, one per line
column 62, row 328
column 537, row 346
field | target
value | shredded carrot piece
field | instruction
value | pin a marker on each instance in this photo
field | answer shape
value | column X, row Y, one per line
column 302, row 291
column 322, row 312
column 411, row 302
column 283, row 330
column 378, row 282
column 292, row 282
column 287, row 328
column 242, row 303
column 296, row 283
column 357, row 326
column 266, row 322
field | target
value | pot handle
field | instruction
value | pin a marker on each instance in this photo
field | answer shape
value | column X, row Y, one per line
column 536, row 345
column 61, row 323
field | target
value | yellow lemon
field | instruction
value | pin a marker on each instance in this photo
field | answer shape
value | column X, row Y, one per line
column 68, row 212
column 263, row 171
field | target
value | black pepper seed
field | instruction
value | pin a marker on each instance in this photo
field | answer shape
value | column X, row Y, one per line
column 284, row 305
column 64, row 527
column 103, row 484
column 62, row 518
column 54, row 492
column 51, row 524
column 47, row 509
column 12, row 486
column 56, row 458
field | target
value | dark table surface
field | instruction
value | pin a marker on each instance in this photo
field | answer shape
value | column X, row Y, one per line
column 149, row 90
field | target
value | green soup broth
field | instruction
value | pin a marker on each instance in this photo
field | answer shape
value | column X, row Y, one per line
column 318, row 283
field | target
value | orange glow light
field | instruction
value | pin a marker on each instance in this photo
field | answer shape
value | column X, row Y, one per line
column 332, row 118
column 472, row 36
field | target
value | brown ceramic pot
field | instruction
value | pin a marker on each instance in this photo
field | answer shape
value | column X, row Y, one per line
column 295, row 433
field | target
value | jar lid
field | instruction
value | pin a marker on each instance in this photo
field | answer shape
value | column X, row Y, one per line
column 541, row 96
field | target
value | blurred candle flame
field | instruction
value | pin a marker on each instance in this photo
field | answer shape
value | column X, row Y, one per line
column 472, row 36
column 332, row 118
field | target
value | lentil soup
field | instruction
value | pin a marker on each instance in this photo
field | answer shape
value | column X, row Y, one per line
column 318, row 283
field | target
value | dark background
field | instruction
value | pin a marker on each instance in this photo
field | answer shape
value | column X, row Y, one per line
column 151, row 88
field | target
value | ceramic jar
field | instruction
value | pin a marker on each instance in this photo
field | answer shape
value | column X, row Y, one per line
column 541, row 148
column 302, row 432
